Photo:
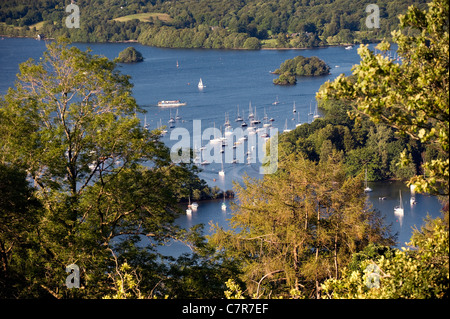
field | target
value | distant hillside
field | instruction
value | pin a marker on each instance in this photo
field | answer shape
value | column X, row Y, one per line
column 145, row 17
column 206, row 23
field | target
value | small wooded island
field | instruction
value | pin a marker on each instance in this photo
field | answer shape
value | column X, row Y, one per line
column 300, row 66
column 130, row 55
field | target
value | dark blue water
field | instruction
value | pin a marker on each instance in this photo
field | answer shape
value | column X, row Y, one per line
column 233, row 78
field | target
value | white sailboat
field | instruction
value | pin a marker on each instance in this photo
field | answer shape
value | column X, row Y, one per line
column 398, row 210
column 172, row 120
column 177, row 117
column 146, row 125
column 310, row 111
column 222, row 172
column 200, row 84
column 243, row 122
column 255, row 119
column 298, row 120
column 250, row 110
column 189, row 210
column 276, row 101
column 412, row 200
column 238, row 117
column 217, row 139
column 367, row 189
column 285, row 128
column 293, row 109
column 316, row 112
column 227, row 120
column 163, row 131
column 203, row 161
column 224, row 206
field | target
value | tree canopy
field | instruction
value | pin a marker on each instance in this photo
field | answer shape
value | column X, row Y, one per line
column 293, row 229
column 82, row 182
column 207, row 24
column 304, row 66
column 378, row 272
column 411, row 94
column 130, row 55
column 106, row 185
column 300, row 66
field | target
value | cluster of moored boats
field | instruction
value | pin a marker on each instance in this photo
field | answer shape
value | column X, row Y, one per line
column 251, row 124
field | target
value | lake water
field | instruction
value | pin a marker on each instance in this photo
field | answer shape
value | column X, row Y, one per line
column 233, row 78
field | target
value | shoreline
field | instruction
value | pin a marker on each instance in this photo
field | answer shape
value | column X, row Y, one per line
column 238, row 49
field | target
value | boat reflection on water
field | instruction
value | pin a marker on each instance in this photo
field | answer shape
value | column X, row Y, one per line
column 399, row 210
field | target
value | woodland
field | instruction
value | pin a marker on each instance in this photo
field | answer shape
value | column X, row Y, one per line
column 83, row 182
column 220, row 24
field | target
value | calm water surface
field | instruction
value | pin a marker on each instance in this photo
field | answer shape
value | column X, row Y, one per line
column 233, row 79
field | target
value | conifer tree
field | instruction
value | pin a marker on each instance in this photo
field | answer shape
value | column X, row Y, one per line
column 293, row 229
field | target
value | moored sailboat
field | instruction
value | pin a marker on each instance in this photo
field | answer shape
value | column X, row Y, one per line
column 189, row 210
column 286, row 128
column 412, row 200
column 316, row 112
column 250, row 110
column 200, row 84
column 398, row 210
column 367, row 189
column 223, row 206
column 238, row 117
column 276, row 102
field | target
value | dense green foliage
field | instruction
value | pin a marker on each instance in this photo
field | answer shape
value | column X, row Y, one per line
column 270, row 232
column 81, row 181
column 19, row 212
column 206, row 24
column 105, row 190
column 295, row 228
column 411, row 96
column 303, row 66
column 285, row 78
column 130, row 55
column 363, row 144
column 383, row 273
column 300, row 66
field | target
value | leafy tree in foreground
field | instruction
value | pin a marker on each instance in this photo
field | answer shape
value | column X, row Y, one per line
column 298, row 227
column 421, row 271
column 19, row 212
column 106, row 184
column 412, row 95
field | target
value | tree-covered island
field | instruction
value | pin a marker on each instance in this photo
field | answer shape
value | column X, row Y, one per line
column 300, row 66
column 130, row 55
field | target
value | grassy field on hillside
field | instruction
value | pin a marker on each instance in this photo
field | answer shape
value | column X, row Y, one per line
column 145, row 17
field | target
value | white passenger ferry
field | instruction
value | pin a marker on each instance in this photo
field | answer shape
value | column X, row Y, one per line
column 171, row 103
